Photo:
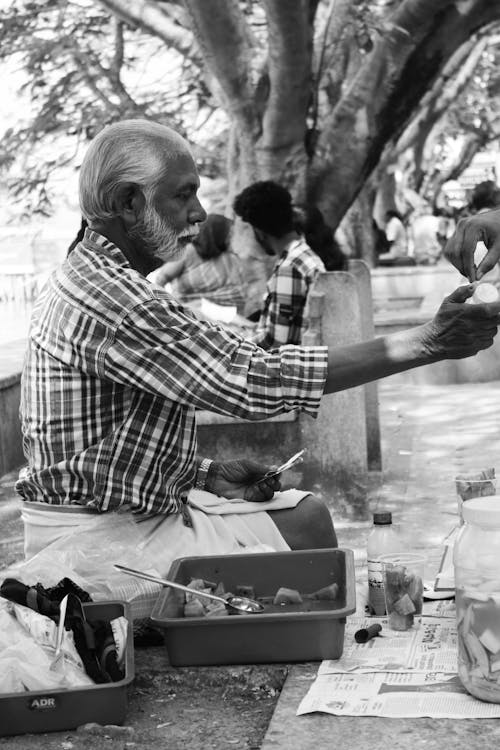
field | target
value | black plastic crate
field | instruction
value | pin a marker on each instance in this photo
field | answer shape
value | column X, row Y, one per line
column 57, row 710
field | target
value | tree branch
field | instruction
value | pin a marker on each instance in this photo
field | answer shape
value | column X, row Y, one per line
column 419, row 39
column 455, row 76
column 117, row 62
column 220, row 30
column 150, row 17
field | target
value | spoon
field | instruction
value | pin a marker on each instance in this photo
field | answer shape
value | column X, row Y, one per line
column 239, row 603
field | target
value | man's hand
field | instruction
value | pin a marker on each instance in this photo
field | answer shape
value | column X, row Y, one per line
column 242, row 479
column 459, row 330
column 459, row 249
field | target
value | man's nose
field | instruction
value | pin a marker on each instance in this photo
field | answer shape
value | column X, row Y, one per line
column 197, row 214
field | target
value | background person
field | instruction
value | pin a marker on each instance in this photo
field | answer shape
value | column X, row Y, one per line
column 395, row 233
column 320, row 238
column 424, row 236
column 485, row 196
column 267, row 207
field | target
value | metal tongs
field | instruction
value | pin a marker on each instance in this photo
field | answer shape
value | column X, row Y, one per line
column 296, row 459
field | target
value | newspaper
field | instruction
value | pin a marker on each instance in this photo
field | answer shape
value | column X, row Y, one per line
column 396, row 695
column 397, row 674
column 431, row 647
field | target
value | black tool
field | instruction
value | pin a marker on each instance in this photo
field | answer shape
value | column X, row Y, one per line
column 366, row 634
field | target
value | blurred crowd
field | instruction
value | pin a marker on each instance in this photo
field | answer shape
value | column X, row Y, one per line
column 419, row 236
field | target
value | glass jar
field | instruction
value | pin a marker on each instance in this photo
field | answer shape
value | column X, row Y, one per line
column 476, row 559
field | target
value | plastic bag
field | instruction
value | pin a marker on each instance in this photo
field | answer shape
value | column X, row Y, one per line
column 87, row 556
column 25, row 664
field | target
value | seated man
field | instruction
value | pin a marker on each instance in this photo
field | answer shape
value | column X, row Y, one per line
column 268, row 208
column 116, row 369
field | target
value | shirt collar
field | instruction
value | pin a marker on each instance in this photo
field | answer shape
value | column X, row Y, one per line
column 96, row 242
column 291, row 246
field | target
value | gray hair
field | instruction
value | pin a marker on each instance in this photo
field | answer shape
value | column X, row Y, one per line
column 131, row 151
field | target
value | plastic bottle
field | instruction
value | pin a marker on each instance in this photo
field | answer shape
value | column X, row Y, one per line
column 383, row 539
column 477, row 596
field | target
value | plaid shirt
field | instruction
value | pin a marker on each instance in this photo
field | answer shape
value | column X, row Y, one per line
column 281, row 320
column 114, row 372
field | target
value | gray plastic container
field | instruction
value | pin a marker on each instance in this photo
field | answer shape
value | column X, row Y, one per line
column 32, row 712
column 284, row 636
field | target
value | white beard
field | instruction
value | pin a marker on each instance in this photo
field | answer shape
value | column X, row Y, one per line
column 159, row 240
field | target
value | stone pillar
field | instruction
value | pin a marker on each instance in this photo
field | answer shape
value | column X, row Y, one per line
column 361, row 273
column 336, row 442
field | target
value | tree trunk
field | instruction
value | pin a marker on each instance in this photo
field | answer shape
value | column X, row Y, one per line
column 418, row 41
column 357, row 226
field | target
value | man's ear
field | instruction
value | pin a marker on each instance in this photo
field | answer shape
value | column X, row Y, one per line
column 130, row 202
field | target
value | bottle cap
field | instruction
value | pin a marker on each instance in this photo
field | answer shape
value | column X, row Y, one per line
column 484, row 511
column 485, row 292
column 381, row 518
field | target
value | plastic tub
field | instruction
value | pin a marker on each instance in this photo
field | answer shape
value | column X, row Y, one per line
column 284, row 636
column 57, row 710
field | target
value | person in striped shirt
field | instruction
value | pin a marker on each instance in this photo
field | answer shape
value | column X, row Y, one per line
column 116, row 369
column 267, row 207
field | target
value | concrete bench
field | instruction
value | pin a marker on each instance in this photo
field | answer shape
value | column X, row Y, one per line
column 343, row 443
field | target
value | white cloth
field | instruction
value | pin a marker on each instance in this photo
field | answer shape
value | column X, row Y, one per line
column 210, row 503
column 69, row 541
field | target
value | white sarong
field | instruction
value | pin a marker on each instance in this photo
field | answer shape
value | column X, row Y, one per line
column 84, row 545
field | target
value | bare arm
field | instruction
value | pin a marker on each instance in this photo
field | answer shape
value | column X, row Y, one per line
column 349, row 366
column 457, row 330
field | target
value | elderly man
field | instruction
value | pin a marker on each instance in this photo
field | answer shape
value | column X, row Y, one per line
column 116, row 369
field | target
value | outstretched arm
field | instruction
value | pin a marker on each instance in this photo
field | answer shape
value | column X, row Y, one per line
column 457, row 330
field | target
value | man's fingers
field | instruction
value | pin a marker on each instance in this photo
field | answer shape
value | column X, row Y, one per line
column 485, row 310
column 260, row 493
column 469, row 238
column 489, row 261
column 456, row 250
column 479, row 310
column 462, row 293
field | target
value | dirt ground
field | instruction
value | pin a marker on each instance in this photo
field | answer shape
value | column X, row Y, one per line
column 202, row 708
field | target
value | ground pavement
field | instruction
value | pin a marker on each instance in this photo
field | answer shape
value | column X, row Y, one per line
column 429, row 433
